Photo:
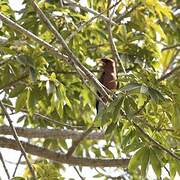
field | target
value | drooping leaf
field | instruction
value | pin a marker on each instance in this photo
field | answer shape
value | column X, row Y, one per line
column 136, row 159
column 155, row 163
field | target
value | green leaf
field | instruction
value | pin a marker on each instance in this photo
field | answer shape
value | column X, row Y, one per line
column 131, row 87
column 145, row 161
column 20, row 102
column 26, row 60
column 110, row 128
column 176, row 117
column 17, row 178
column 155, row 95
column 141, row 100
column 172, row 165
column 127, row 137
column 166, row 58
column 156, row 165
column 31, row 100
column 136, row 159
column 22, row 118
column 33, row 74
column 115, row 107
column 16, row 91
column 133, row 146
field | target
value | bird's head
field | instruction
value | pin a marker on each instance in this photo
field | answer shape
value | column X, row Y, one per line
column 108, row 64
column 107, row 61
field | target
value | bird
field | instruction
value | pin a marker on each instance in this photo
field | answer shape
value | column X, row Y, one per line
column 108, row 78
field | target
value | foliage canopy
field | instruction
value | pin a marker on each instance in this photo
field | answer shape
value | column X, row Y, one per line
column 142, row 123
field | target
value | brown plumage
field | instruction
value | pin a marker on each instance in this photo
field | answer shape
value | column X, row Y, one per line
column 108, row 77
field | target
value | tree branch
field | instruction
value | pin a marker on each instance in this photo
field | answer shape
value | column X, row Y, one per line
column 11, row 83
column 77, row 142
column 79, row 174
column 121, row 17
column 50, row 133
column 170, row 65
column 90, row 21
column 171, row 47
column 73, row 3
column 17, row 164
column 167, row 75
column 46, row 118
column 156, row 142
column 4, row 166
column 17, row 140
column 29, row 34
column 62, row 158
column 113, row 46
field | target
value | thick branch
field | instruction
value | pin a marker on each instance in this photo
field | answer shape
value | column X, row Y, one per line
column 50, row 133
column 62, row 158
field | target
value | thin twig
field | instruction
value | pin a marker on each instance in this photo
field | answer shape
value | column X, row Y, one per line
column 77, row 142
column 71, row 72
column 167, row 75
column 17, row 164
column 173, row 59
column 121, row 177
column 73, row 3
column 167, row 170
column 156, row 142
column 82, row 178
column 17, row 140
column 114, row 50
column 146, row 122
column 47, row 118
column 121, row 17
column 4, row 166
column 90, row 21
column 11, row 83
column 62, row 158
column 171, row 47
